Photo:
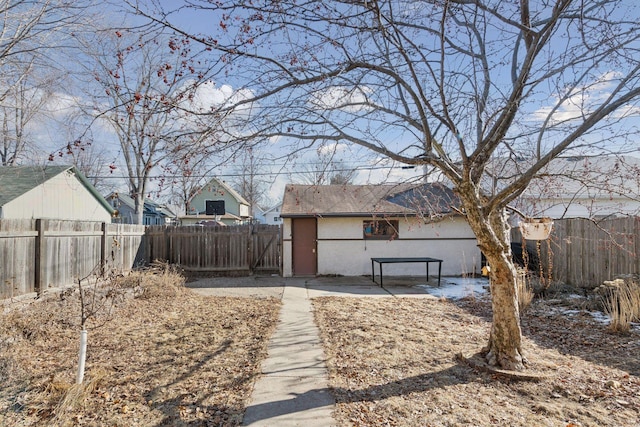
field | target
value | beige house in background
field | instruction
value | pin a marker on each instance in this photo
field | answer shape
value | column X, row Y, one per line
column 215, row 197
column 50, row 192
column 337, row 229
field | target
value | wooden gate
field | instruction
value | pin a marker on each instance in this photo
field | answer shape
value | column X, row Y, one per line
column 241, row 249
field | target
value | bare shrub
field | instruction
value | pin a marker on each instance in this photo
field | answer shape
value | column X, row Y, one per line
column 525, row 292
column 159, row 280
column 621, row 299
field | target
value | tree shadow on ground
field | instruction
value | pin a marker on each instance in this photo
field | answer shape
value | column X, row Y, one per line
column 456, row 374
column 188, row 407
column 574, row 334
column 316, row 398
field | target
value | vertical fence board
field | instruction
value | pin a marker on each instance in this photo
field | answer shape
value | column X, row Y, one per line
column 217, row 248
column 40, row 254
column 585, row 253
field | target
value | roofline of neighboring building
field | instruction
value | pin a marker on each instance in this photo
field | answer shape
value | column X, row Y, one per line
column 271, row 208
column 362, row 214
column 233, row 192
column 205, row 216
column 94, row 192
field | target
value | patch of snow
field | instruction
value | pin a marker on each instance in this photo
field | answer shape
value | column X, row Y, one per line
column 600, row 317
column 459, row 287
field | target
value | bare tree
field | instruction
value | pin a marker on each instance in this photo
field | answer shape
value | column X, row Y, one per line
column 249, row 179
column 327, row 167
column 32, row 36
column 142, row 86
column 190, row 169
column 22, row 100
column 451, row 84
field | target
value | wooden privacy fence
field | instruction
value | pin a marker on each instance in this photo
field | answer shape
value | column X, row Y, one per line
column 241, row 249
column 38, row 254
column 585, row 253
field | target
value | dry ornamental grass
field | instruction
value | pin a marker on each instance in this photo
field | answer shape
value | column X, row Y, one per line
column 166, row 357
column 392, row 363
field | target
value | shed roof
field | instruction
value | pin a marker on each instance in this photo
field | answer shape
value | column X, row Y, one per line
column 148, row 204
column 367, row 200
column 17, row 180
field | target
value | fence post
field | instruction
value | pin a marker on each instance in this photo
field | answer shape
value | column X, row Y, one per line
column 103, row 250
column 250, row 248
column 39, row 255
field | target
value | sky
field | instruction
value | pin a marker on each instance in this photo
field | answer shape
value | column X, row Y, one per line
column 370, row 168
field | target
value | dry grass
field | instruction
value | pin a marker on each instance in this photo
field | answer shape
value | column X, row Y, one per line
column 161, row 356
column 622, row 304
column 392, row 363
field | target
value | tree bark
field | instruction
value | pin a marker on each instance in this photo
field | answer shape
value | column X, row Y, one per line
column 492, row 230
column 139, row 208
column 505, row 340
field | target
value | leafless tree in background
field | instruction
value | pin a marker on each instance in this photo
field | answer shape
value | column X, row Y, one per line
column 32, row 36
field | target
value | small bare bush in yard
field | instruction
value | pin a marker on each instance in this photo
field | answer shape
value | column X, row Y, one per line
column 621, row 298
column 160, row 280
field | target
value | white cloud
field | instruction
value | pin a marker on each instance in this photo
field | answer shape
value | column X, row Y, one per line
column 208, row 97
column 581, row 101
column 62, row 104
column 332, row 148
column 341, row 98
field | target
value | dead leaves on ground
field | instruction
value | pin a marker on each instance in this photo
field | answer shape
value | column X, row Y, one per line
column 393, row 362
column 169, row 357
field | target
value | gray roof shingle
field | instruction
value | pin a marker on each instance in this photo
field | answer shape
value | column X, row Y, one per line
column 17, row 180
column 367, row 200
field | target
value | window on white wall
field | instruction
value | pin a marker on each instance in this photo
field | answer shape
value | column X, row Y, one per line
column 380, row 229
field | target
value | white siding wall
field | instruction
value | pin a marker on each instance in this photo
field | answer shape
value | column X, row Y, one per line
column 287, row 254
column 342, row 249
column 61, row 197
column 583, row 208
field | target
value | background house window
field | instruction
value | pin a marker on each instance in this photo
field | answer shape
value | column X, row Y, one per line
column 214, row 207
column 380, row 229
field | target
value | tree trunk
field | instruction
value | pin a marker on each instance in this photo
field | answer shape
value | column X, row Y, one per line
column 139, row 208
column 505, row 341
column 504, row 349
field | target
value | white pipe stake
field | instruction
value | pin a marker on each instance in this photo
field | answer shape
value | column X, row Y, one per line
column 82, row 356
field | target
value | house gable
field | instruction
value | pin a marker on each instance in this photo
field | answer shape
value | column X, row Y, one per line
column 55, row 192
column 235, row 206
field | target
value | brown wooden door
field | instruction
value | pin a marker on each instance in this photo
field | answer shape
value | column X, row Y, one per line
column 304, row 235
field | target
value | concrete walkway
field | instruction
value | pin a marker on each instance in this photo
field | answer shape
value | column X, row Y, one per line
column 292, row 390
column 293, row 387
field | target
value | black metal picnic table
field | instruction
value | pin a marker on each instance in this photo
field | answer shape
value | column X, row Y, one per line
column 397, row 260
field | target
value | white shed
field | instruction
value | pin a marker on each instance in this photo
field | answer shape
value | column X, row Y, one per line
column 337, row 229
column 51, row 192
